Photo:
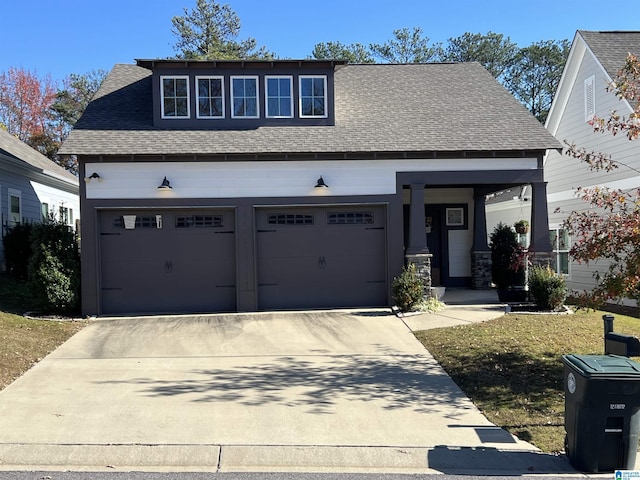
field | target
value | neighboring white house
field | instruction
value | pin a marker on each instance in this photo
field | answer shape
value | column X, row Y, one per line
column 32, row 187
column 594, row 59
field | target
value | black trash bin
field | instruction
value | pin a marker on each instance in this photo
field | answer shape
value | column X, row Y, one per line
column 602, row 411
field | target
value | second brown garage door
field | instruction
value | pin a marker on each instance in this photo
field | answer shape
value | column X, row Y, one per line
column 321, row 257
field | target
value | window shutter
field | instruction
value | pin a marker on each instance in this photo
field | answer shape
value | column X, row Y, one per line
column 589, row 99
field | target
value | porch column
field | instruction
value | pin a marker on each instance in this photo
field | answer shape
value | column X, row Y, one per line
column 417, row 227
column 480, row 252
column 540, row 246
column 417, row 251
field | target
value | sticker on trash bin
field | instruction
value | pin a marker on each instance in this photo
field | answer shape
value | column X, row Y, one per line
column 617, row 406
column 627, row 474
column 571, row 383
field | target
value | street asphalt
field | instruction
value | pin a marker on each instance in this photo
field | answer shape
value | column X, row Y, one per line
column 327, row 391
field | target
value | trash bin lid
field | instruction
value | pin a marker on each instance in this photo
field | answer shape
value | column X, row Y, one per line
column 603, row 366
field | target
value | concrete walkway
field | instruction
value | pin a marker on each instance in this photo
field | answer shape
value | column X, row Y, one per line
column 349, row 391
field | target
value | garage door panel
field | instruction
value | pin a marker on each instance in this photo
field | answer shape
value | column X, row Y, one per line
column 171, row 261
column 319, row 264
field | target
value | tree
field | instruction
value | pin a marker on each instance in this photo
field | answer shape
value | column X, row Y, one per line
column 492, row 50
column 534, row 75
column 210, row 31
column 407, row 46
column 610, row 228
column 25, row 101
column 353, row 53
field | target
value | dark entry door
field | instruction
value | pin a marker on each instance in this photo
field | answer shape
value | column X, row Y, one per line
column 321, row 257
column 167, row 261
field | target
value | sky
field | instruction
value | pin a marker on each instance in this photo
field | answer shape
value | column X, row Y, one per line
column 60, row 37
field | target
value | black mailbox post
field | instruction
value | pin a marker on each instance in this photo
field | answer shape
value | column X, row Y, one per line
column 602, row 411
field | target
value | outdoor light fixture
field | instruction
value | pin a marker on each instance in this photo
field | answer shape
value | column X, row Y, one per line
column 165, row 185
column 320, row 183
column 93, row 176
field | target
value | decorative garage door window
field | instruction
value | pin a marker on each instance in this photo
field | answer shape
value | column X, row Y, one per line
column 199, row 221
column 350, row 218
column 149, row 221
column 290, row 219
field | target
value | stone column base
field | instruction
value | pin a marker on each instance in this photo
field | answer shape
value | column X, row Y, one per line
column 541, row 258
column 481, row 270
column 422, row 261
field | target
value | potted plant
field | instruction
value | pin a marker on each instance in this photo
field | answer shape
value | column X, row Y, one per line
column 509, row 281
column 521, row 226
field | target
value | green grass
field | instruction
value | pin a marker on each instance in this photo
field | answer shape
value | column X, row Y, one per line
column 25, row 341
column 510, row 367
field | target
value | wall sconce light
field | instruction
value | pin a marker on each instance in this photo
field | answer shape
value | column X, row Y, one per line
column 320, row 183
column 93, row 176
column 165, row 185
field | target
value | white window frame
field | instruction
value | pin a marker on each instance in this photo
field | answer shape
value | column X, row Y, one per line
column 233, row 109
column 14, row 193
column 209, row 77
column 556, row 250
column 163, row 113
column 589, row 98
column 300, row 97
column 266, row 95
column 69, row 214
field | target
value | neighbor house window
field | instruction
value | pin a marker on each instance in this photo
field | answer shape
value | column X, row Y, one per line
column 66, row 215
column 244, row 97
column 279, row 98
column 560, row 243
column 45, row 211
column 313, row 96
column 15, row 207
column 210, row 93
column 175, row 97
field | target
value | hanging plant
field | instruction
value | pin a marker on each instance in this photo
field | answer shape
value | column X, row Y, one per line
column 522, row 226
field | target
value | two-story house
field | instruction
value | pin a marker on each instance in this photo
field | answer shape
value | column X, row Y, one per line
column 593, row 62
column 257, row 185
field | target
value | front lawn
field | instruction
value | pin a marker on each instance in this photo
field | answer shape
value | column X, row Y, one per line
column 25, row 341
column 510, row 367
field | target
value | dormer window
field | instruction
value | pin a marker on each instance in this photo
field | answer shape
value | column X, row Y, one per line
column 313, row 96
column 175, row 97
column 210, row 91
column 279, row 96
column 244, row 97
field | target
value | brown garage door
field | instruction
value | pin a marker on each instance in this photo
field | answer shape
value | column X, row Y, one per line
column 321, row 257
column 167, row 261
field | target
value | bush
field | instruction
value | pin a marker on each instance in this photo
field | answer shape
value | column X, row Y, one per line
column 549, row 289
column 17, row 250
column 408, row 289
column 54, row 268
column 504, row 244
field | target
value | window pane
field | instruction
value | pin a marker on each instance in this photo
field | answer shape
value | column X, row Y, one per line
column 216, row 87
column 272, row 107
column 15, row 204
column 251, row 107
column 306, row 87
column 318, row 87
column 272, row 87
column 564, row 263
column 238, row 87
column 318, row 106
column 203, row 87
column 168, row 87
column 285, row 107
column 307, row 106
column 553, row 236
column 563, row 239
column 285, row 87
column 181, row 87
column 238, row 107
column 250, row 87
column 181, row 107
column 216, row 107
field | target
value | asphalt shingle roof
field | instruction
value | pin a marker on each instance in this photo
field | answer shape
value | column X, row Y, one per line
column 17, row 149
column 612, row 48
column 378, row 108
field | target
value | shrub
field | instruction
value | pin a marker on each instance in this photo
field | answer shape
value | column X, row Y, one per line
column 17, row 250
column 549, row 289
column 54, row 268
column 408, row 289
column 504, row 245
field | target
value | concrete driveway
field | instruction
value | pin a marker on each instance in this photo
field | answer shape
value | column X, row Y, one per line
column 311, row 391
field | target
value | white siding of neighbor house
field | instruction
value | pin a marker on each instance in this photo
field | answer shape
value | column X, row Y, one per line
column 56, row 199
column 271, row 179
column 564, row 174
